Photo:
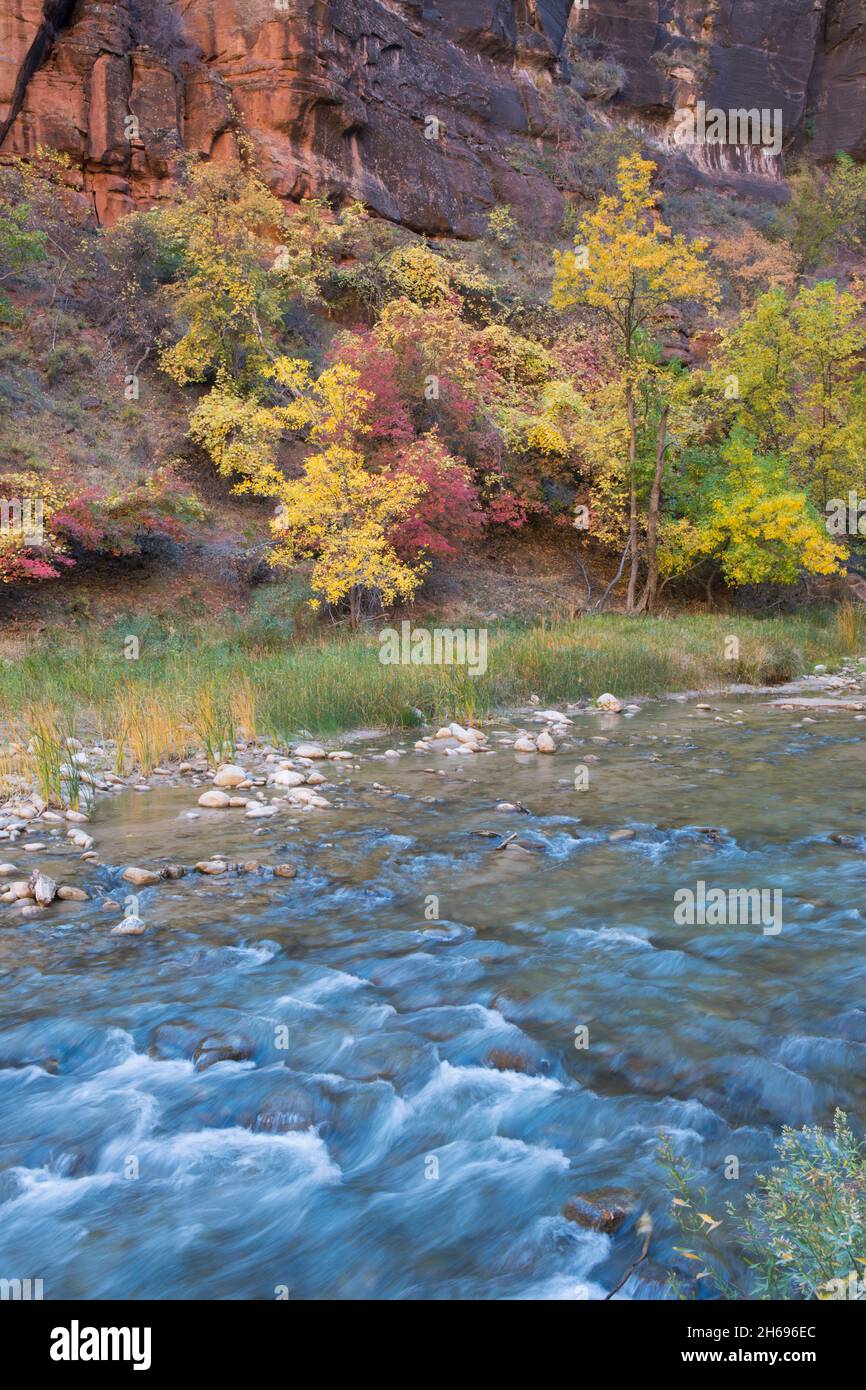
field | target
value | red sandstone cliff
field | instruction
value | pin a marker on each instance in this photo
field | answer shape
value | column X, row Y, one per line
column 413, row 106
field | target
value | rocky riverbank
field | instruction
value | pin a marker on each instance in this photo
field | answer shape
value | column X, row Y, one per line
column 267, row 782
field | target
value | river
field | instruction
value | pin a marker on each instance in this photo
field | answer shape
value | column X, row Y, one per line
column 385, row 1078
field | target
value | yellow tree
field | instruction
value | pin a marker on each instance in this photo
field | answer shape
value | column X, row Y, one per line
column 801, row 388
column 341, row 515
column 337, row 512
column 756, row 525
column 628, row 268
column 244, row 257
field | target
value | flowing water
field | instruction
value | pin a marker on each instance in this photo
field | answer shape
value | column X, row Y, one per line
column 402, row 1111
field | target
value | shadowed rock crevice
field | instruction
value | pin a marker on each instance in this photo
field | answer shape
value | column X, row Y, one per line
column 56, row 15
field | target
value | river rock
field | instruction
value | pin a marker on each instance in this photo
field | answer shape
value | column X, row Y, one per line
column 315, row 779
column 257, row 809
column 222, row 1048
column 285, row 871
column 237, row 803
column 21, row 888
column 285, row 1111
column 66, row 893
column 174, row 1039
column 229, row 775
column 129, row 926
column 210, row 866
column 31, row 910
column 609, row 703
column 288, row 777
column 310, row 750
column 215, row 799
column 616, row 835
column 524, row 744
column 44, row 888
column 462, row 735
column 172, row 871
column 544, row 743
column 504, row 1059
column 305, row 796
column 139, row 877
column 604, row 1209
column 340, row 756
column 76, row 816
column 6, row 869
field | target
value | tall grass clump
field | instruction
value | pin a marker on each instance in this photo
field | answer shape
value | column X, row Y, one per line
column 147, row 729
column 212, row 719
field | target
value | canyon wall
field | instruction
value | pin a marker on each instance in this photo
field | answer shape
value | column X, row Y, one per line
column 420, row 108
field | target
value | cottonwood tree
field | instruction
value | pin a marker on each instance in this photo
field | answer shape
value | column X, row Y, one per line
column 629, row 269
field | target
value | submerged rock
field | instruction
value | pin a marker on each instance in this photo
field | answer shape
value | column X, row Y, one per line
column 286, row 1111
column 221, row 1047
column 174, row 1039
column 604, row 1209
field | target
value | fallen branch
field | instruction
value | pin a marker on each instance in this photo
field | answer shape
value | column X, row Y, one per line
column 644, row 1228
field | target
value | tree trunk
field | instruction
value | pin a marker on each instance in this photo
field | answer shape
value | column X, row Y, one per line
column 648, row 597
column 632, row 499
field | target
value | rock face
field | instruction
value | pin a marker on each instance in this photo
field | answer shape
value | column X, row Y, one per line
column 413, row 107
column 806, row 58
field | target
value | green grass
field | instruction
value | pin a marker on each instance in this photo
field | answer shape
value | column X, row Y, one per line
column 290, row 681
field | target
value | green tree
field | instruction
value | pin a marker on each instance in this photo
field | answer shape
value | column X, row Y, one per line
column 800, row 388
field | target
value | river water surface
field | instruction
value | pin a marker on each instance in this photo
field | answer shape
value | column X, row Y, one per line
column 401, row 1110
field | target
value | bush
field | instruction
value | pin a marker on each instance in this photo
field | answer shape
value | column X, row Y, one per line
column 803, row 1232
